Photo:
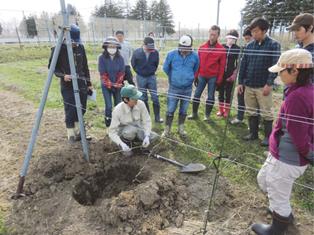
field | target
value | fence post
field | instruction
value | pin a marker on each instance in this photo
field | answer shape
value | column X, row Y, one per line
column 48, row 32
column 18, row 36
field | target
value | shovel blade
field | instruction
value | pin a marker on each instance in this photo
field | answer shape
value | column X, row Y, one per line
column 193, row 168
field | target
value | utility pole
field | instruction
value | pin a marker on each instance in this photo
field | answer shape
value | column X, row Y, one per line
column 218, row 9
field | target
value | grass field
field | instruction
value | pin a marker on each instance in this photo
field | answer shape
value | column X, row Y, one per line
column 24, row 71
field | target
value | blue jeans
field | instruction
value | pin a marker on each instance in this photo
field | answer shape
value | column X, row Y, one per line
column 211, row 86
column 174, row 96
column 148, row 83
column 108, row 94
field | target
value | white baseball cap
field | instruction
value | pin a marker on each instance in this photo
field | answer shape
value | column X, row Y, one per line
column 295, row 58
column 185, row 41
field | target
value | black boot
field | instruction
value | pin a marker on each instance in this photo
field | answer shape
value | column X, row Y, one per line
column 278, row 226
column 169, row 119
column 208, row 110
column 157, row 113
column 181, row 130
column 253, row 126
column 194, row 114
column 268, row 127
column 107, row 121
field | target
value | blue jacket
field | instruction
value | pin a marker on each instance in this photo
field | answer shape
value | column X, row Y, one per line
column 181, row 70
column 112, row 67
column 142, row 66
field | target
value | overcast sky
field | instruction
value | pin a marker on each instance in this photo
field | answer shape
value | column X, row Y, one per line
column 189, row 13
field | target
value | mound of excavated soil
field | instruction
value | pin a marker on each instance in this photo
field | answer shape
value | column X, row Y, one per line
column 112, row 195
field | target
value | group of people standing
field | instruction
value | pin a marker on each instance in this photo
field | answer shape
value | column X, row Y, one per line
column 216, row 66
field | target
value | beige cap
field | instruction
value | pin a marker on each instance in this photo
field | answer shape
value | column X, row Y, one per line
column 295, row 58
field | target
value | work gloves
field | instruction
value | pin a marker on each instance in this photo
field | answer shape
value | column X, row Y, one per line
column 126, row 150
column 119, row 80
column 146, row 142
column 106, row 81
column 108, row 84
column 125, row 147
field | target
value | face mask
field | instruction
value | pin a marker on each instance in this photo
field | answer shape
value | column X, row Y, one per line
column 112, row 51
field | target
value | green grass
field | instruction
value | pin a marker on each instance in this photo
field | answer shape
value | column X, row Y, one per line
column 27, row 76
column 14, row 53
column 3, row 230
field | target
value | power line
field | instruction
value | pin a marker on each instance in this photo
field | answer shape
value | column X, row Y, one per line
column 288, row 117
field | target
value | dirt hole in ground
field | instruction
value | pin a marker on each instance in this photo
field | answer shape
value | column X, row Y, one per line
column 109, row 183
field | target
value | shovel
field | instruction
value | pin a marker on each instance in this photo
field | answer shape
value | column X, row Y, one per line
column 190, row 168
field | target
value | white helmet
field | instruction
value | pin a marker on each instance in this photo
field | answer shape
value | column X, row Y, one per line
column 186, row 41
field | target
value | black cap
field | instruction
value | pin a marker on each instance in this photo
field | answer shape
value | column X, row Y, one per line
column 149, row 43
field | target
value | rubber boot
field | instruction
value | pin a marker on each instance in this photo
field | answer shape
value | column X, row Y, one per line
column 77, row 131
column 166, row 132
column 71, row 135
column 107, row 121
column 253, row 127
column 78, row 134
column 221, row 109
column 194, row 114
column 278, row 226
column 77, row 128
column 208, row 110
column 157, row 113
column 268, row 127
column 227, row 110
column 181, row 130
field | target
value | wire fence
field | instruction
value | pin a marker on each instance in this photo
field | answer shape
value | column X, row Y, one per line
column 192, row 147
column 97, row 28
column 234, row 106
column 230, row 159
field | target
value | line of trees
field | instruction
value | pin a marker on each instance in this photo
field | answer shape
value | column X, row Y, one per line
column 158, row 11
column 280, row 13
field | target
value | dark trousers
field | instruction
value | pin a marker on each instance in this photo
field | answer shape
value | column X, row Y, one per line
column 225, row 92
column 128, row 75
column 69, row 102
column 241, row 105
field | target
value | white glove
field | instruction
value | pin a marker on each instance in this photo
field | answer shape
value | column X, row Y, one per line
column 146, row 142
column 125, row 147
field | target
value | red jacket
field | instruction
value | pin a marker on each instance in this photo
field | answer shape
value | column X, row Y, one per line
column 212, row 61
